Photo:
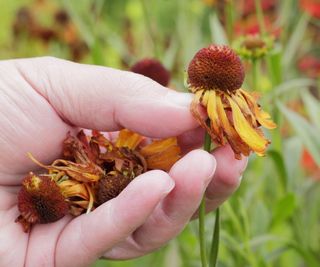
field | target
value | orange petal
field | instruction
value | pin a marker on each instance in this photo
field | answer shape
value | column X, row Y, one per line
column 71, row 188
column 161, row 154
column 248, row 134
column 128, row 139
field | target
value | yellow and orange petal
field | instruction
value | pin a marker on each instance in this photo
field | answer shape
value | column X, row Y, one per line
column 161, row 154
column 128, row 139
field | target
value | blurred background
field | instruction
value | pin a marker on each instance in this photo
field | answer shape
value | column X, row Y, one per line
column 274, row 217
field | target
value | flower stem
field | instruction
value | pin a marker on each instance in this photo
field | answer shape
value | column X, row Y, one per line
column 255, row 70
column 260, row 17
column 215, row 241
column 148, row 24
column 202, row 213
column 203, row 252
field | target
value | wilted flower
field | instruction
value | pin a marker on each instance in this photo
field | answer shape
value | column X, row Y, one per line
column 215, row 75
column 40, row 201
column 93, row 171
column 153, row 69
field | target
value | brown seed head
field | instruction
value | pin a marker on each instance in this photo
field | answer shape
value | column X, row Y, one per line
column 153, row 69
column 111, row 186
column 40, row 200
column 216, row 67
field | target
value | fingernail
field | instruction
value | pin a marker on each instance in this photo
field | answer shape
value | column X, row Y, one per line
column 180, row 99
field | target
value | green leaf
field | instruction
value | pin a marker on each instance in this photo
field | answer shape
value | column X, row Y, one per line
column 283, row 209
column 218, row 34
column 280, row 167
column 287, row 86
column 295, row 41
column 313, row 107
column 308, row 133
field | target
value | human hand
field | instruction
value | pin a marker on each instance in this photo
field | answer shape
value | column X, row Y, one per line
column 41, row 100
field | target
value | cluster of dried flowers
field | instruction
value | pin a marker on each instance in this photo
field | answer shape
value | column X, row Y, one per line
column 92, row 171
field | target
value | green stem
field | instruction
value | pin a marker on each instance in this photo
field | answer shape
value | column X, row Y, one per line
column 255, row 74
column 202, row 213
column 260, row 17
column 215, row 241
column 149, row 28
column 229, row 20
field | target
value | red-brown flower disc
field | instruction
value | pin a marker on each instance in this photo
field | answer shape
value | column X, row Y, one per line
column 111, row 186
column 40, row 200
column 216, row 67
column 153, row 69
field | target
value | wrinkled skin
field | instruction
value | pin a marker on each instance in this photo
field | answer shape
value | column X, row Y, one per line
column 40, row 101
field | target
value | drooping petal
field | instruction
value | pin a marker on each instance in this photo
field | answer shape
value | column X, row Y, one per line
column 194, row 109
column 247, row 133
column 262, row 117
column 245, row 108
column 237, row 145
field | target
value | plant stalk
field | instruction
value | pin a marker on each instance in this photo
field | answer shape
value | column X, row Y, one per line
column 202, row 213
column 215, row 240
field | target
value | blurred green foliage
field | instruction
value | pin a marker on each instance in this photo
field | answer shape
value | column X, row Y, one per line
column 274, row 217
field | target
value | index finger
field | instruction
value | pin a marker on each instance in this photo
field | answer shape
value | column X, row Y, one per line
column 106, row 99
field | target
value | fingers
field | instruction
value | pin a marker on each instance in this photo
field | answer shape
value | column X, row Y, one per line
column 226, row 178
column 87, row 237
column 191, row 175
column 106, row 99
column 190, row 140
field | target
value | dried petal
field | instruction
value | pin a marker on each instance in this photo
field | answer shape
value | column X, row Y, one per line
column 247, row 133
column 129, row 139
column 161, row 154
